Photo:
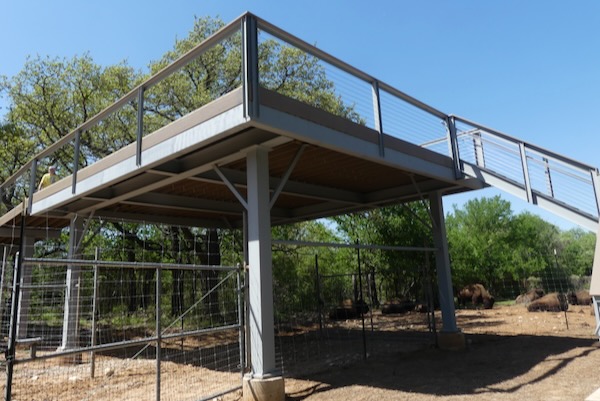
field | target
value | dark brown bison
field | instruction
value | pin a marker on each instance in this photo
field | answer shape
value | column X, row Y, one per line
column 397, row 306
column 477, row 294
column 553, row 302
column 348, row 309
column 530, row 296
column 579, row 298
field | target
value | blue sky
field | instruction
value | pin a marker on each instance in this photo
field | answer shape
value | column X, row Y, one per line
column 530, row 68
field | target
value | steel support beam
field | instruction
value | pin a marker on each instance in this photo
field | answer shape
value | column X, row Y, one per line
column 262, row 333
column 442, row 261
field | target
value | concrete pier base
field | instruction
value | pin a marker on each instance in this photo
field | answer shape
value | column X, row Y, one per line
column 263, row 389
column 451, row 340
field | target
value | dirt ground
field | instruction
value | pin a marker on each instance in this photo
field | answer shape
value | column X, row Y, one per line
column 512, row 354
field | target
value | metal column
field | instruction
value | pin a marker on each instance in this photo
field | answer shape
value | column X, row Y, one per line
column 261, row 321
column 442, row 261
column 70, row 333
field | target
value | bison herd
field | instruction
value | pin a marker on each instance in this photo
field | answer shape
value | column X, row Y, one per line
column 475, row 295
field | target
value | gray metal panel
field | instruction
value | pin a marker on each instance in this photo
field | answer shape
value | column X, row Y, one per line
column 310, row 132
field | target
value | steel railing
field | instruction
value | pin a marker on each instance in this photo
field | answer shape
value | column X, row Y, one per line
column 539, row 173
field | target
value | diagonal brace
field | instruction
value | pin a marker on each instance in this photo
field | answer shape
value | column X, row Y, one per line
column 287, row 174
column 231, row 187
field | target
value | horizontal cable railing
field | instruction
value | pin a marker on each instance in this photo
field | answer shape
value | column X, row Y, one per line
column 144, row 109
column 353, row 94
column 538, row 171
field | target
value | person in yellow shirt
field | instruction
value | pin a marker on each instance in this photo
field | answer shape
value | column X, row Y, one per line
column 48, row 178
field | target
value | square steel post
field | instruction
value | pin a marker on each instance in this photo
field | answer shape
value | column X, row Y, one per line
column 261, row 324
column 442, row 261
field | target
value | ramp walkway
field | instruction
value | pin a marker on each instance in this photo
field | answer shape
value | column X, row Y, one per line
column 338, row 141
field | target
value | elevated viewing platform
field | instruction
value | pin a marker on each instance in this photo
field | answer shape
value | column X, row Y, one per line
column 253, row 128
column 342, row 143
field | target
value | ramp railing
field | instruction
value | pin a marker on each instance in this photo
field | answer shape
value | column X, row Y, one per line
column 557, row 183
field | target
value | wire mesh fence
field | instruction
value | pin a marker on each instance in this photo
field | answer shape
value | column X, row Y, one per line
column 90, row 327
column 164, row 322
column 345, row 305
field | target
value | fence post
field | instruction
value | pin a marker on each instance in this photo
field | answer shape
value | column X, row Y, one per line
column 94, row 312
column 12, row 336
column 240, row 300
column 158, row 329
column 361, row 302
column 319, row 298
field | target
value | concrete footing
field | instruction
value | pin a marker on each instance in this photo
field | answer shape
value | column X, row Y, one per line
column 263, row 389
column 453, row 341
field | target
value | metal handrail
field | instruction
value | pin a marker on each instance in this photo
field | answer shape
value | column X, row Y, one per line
column 336, row 62
column 176, row 65
column 539, row 149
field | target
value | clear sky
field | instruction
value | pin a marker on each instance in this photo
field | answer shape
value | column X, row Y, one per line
column 528, row 68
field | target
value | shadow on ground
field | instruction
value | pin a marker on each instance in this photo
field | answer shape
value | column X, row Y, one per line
column 488, row 361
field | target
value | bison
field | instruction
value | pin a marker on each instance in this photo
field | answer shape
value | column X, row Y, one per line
column 553, row 302
column 397, row 306
column 348, row 309
column 477, row 294
column 530, row 296
column 579, row 298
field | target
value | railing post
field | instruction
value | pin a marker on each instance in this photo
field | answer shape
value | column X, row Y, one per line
column 525, row 166
column 478, row 148
column 140, row 127
column 596, row 187
column 549, row 185
column 32, row 182
column 453, row 146
column 377, row 116
column 250, row 66
column 76, row 161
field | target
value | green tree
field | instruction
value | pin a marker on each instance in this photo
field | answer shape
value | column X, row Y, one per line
column 401, row 273
column 15, row 150
column 532, row 244
column 51, row 96
column 479, row 239
column 576, row 251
